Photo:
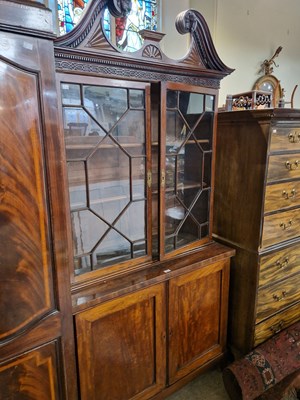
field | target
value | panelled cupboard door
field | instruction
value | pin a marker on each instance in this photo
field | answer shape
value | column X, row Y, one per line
column 31, row 314
column 121, row 347
column 198, row 303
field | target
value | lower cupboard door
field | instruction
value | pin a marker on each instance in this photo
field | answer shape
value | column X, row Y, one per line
column 198, row 304
column 121, row 347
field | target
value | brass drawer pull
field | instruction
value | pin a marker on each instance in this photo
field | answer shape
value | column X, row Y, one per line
column 294, row 137
column 287, row 195
column 284, row 226
column 277, row 328
column 283, row 263
column 280, row 297
column 292, row 165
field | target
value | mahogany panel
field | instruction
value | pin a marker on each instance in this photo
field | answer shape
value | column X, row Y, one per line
column 276, row 323
column 25, row 274
column 285, row 137
column 32, row 376
column 280, row 227
column 279, row 265
column 277, row 296
column 283, row 167
column 121, row 347
column 282, row 195
column 197, row 318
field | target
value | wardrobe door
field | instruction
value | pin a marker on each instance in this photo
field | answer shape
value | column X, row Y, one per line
column 35, row 330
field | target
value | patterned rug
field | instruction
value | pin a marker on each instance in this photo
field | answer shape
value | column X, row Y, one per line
column 271, row 369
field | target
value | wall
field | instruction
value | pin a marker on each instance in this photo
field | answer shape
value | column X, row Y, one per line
column 245, row 33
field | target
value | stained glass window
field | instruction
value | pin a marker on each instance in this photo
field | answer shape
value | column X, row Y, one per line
column 121, row 31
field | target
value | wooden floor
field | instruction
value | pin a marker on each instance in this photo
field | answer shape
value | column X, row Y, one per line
column 206, row 387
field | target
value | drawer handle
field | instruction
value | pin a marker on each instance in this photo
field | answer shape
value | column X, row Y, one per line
column 292, row 165
column 280, row 297
column 294, row 137
column 283, row 263
column 287, row 195
column 284, row 226
column 277, row 328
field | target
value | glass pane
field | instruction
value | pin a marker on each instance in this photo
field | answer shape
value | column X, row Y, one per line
column 130, row 132
column 133, row 231
column 172, row 99
column 175, row 213
column 188, row 233
column 77, row 184
column 82, row 264
column 82, row 133
column 187, row 167
column 87, row 229
column 171, row 172
column 191, row 105
column 209, row 103
column 109, row 180
column 106, row 153
column 176, row 132
column 139, row 249
column 70, row 94
column 139, row 178
column 203, row 132
column 105, row 104
column 136, row 98
column 113, row 249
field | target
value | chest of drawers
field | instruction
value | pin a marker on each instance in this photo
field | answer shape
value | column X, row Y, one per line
column 257, row 211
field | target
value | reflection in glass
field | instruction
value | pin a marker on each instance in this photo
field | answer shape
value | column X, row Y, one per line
column 131, row 130
column 189, row 119
column 136, row 98
column 105, row 139
column 70, row 93
column 105, row 104
column 77, row 187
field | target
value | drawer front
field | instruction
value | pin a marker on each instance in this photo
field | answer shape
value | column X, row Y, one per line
column 280, row 227
column 285, row 137
column 279, row 265
column 284, row 166
column 274, row 298
column 275, row 324
column 282, row 195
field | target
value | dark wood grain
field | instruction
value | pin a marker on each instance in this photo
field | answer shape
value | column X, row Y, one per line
column 278, row 265
column 198, row 304
column 279, row 170
column 281, row 196
column 276, row 323
column 34, row 305
column 25, row 285
column 34, row 375
column 280, row 227
column 285, row 136
column 123, row 339
column 277, row 296
column 257, row 211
